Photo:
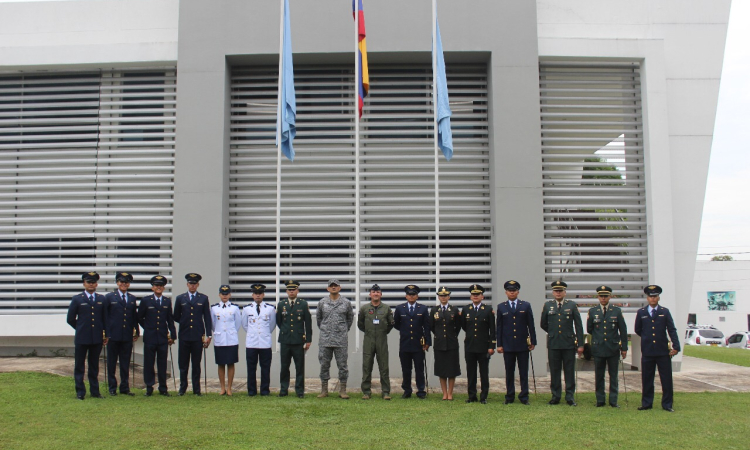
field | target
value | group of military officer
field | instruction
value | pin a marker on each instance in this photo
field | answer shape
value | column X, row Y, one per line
column 115, row 319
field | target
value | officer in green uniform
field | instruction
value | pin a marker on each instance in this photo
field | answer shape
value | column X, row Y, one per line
column 609, row 341
column 559, row 317
column 295, row 335
column 376, row 321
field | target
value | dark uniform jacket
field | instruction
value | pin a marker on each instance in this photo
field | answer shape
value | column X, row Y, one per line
column 121, row 321
column 513, row 328
column 479, row 326
column 653, row 332
column 445, row 326
column 382, row 313
column 89, row 320
column 412, row 327
column 156, row 320
column 559, row 323
column 194, row 318
column 609, row 334
column 294, row 322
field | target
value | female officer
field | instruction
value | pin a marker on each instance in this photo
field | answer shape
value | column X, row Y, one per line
column 226, row 322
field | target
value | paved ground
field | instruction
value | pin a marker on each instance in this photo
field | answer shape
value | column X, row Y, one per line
column 697, row 375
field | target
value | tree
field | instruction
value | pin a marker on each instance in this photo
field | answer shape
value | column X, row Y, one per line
column 722, row 258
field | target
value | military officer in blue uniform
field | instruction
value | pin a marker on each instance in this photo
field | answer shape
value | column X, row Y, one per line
column 412, row 320
column 226, row 321
column 295, row 336
column 562, row 322
column 193, row 312
column 609, row 341
column 516, row 337
column 122, row 324
column 478, row 323
column 259, row 321
column 155, row 317
column 87, row 314
column 655, row 326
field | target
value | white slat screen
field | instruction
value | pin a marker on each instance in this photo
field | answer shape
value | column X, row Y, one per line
column 397, row 193
column 593, row 169
column 86, row 182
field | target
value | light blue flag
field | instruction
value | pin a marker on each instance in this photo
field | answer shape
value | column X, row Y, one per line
column 445, row 137
column 288, row 99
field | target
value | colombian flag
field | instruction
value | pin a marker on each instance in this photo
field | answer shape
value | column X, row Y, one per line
column 364, row 75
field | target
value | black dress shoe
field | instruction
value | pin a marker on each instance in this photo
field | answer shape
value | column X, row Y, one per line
column 508, row 402
column 128, row 393
column 484, row 402
column 250, row 394
column 525, row 402
column 112, row 393
column 668, row 409
column 197, row 394
column 283, row 394
column 421, row 396
column 572, row 403
column 96, row 396
column 553, row 402
column 599, row 404
column 406, row 395
column 644, row 408
column 180, row 393
column 614, row 405
column 149, row 392
column 80, row 397
column 471, row 400
column 300, row 395
column 165, row 393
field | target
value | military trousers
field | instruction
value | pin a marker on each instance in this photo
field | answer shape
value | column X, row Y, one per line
column 648, row 372
column 253, row 357
column 190, row 352
column 287, row 353
column 474, row 359
column 119, row 351
column 609, row 364
column 83, row 354
column 562, row 360
column 325, row 356
column 510, row 359
column 407, row 359
column 371, row 349
column 157, row 353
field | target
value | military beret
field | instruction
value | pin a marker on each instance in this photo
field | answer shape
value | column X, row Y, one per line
column 512, row 285
column 604, row 290
column 291, row 284
column 158, row 280
column 443, row 291
column 193, row 278
column 90, row 276
column 124, row 277
column 258, row 288
column 333, row 281
column 559, row 285
column 375, row 287
column 476, row 289
column 225, row 289
column 411, row 289
column 652, row 290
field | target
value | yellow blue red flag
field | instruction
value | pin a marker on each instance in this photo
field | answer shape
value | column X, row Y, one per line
column 363, row 84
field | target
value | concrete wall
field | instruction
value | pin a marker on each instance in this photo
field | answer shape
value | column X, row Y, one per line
column 712, row 276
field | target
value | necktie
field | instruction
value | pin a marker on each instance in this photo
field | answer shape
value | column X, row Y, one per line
column 257, row 308
column 158, row 301
column 224, row 305
column 559, row 305
column 291, row 304
column 411, row 309
column 653, row 313
column 513, row 306
column 192, row 298
column 91, row 299
column 605, row 310
column 124, row 300
column 444, row 308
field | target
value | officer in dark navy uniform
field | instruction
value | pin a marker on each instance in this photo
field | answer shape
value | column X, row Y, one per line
column 478, row 322
column 412, row 320
column 155, row 317
column 87, row 313
column 516, row 337
column 123, row 331
column 193, row 312
column 655, row 326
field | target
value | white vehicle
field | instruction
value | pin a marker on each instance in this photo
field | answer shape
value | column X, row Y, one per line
column 740, row 339
column 704, row 335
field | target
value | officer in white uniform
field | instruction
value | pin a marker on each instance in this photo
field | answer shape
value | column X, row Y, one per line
column 226, row 320
column 259, row 320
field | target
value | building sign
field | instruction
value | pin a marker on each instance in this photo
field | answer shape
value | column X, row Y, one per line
column 721, row 300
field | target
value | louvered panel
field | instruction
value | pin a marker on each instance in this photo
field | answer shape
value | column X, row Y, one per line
column 594, row 188
column 397, row 188
column 86, row 182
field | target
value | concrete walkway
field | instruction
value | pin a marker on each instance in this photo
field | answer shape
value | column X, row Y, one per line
column 697, row 375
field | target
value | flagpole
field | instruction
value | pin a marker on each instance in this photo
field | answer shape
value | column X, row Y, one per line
column 357, row 250
column 278, row 156
column 436, row 151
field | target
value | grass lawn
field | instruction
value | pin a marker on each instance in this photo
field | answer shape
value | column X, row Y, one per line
column 40, row 411
column 736, row 356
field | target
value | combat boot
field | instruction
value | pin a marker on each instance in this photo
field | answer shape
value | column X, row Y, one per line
column 342, row 391
column 323, row 389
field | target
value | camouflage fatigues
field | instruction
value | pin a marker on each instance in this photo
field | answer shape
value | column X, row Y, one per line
column 334, row 320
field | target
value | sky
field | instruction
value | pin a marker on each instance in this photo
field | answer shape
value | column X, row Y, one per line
column 726, row 212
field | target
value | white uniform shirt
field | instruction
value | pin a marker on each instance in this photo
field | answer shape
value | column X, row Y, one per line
column 258, row 327
column 226, row 323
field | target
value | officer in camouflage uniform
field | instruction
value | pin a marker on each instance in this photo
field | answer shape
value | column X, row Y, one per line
column 335, row 318
column 295, row 335
column 609, row 341
column 376, row 321
column 559, row 317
